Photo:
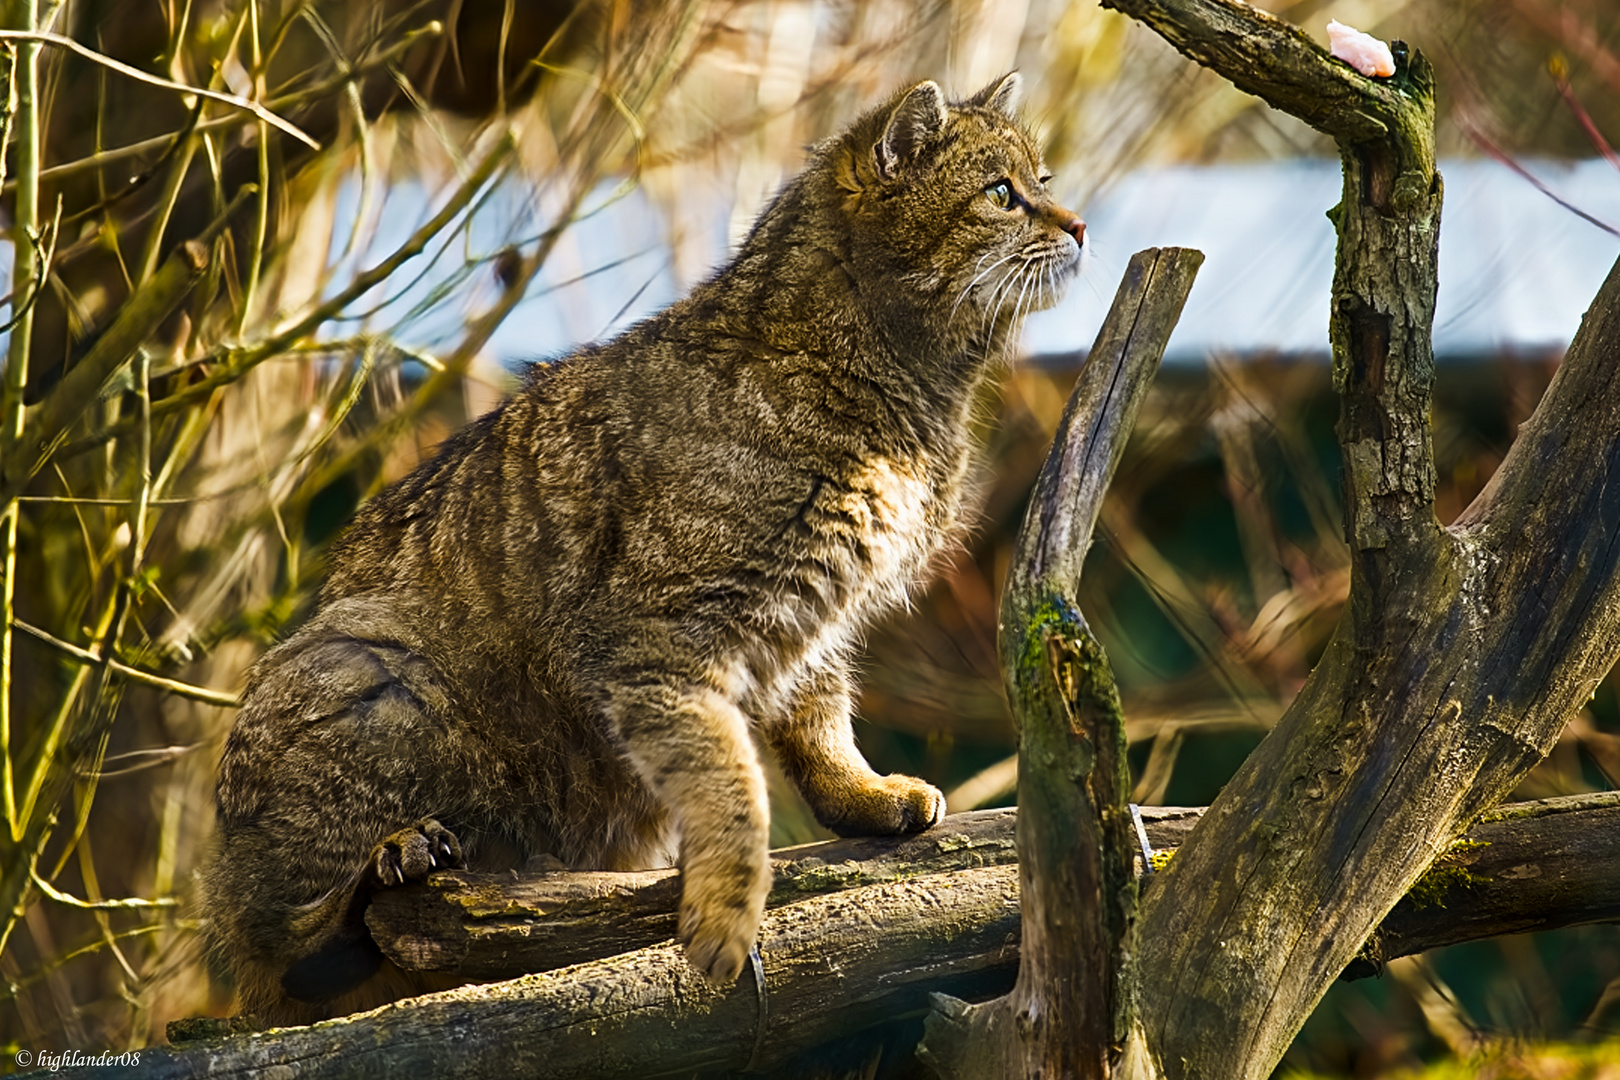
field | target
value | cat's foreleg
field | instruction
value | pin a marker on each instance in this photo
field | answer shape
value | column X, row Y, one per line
column 691, row 745
column 816, row 748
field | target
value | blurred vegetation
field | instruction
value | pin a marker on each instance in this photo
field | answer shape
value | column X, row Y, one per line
column 1513, row 1060
column 176, row 527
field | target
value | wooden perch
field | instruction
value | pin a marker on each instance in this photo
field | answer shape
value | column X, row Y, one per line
column 486, row 927
column 1526, row 866
column 935, row 911
column 649, row 1013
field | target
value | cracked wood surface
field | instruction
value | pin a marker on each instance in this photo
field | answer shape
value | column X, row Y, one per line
column 1537, row 866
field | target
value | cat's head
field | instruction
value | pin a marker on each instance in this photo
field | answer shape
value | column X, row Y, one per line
column 947, row 202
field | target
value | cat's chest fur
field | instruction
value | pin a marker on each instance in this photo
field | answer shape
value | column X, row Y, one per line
column 888, row 515
column 863, row 537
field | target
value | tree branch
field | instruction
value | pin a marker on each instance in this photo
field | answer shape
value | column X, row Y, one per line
column 942, row 914
column 831, row 964
column 1526, row 866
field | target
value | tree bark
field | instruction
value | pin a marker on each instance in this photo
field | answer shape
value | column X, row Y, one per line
column 834, row 964
column 1463, row 650
column 1525, row 866
column 485, row 927
column 649, row 1013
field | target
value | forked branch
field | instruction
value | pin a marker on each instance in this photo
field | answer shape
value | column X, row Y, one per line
column 1462, row 652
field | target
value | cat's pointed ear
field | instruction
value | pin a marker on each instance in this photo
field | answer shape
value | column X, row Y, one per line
column 919, row 117
column 1003, row 95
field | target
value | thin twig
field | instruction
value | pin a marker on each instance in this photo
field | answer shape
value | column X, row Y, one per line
column 219, row 123
column 24, row 88
column 261, row 221
column 10, row 990
column 145, row 678
column 61, row 42
column 241, row 361
column 134, row 904
column 1485, row 143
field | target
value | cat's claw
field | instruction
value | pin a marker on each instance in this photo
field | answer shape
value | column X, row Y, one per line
column 717, row 942
column 411, row 854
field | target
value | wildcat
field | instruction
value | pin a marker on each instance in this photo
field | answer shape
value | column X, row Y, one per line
column 563, row 634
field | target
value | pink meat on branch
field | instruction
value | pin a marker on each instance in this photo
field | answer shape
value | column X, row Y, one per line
column 1361, row 51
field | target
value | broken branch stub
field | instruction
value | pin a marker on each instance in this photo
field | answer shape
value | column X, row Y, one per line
column 1070, row 1006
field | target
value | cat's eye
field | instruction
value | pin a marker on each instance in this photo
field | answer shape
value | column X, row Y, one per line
column 1001, row 193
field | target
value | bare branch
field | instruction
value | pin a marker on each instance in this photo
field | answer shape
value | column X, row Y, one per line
column 60, row 42
column 145, row 678
column 1074, row 839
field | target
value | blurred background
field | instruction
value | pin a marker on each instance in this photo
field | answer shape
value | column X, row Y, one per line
column 370, row 295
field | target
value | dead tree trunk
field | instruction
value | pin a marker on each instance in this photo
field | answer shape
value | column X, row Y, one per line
column 1076, row 844
column 1462, row 652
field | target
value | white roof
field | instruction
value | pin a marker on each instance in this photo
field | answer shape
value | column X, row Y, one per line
column 1516, row 269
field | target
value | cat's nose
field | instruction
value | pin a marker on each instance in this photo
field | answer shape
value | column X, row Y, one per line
column 1077, row 229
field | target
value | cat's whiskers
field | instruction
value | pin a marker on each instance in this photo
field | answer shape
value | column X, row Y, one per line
column 1027, row 274
column 1032, row 278
column 988, row 307
column 992, row 308
column 999, row 294
column 987, row 271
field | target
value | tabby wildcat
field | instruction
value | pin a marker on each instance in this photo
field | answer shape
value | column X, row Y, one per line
column 563, row 634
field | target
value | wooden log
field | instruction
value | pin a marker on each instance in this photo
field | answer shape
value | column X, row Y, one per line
column 485, row 927
column 839, row 962
column 831, row 964
column 1526, row 866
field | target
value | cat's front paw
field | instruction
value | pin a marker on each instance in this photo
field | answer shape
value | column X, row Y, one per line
column 888, row 806
column 411, row 854
column 718, row 926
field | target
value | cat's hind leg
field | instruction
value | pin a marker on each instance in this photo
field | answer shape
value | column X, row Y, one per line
column 332, row 784
column 340, row 953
